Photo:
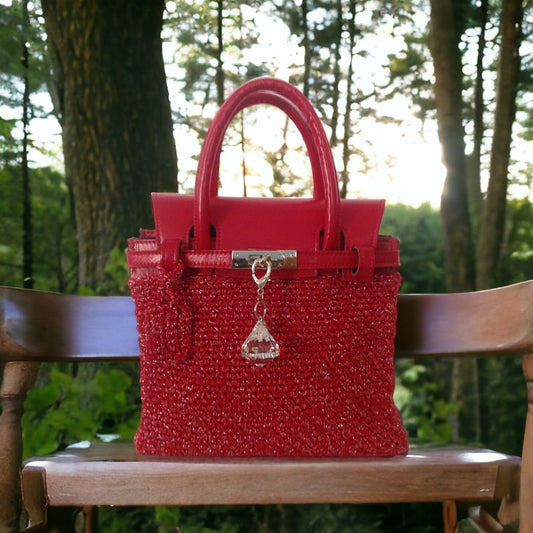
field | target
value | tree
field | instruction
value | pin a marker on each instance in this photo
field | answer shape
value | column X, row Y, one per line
column 460, row 197
column 21, row 62
column 480, row 222
column 491, row 229
column 27, row 218
column 112, row 100
column 445, row 33
column 473, row 177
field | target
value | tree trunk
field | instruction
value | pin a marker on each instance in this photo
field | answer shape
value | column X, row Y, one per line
column 27, row 217
column 220, row 48
column 333, row 140
column 493, row 218
column 473, row 184
column 444, row 46
column 346, row 151
column 115, row 112
column 307, row 49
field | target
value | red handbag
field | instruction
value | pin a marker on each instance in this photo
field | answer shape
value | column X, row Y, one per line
column 266, row 326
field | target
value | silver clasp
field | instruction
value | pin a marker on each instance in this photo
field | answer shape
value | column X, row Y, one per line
column 278, row 258
column 262, row 262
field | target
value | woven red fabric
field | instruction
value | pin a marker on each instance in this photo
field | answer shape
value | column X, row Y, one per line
column 329, row 393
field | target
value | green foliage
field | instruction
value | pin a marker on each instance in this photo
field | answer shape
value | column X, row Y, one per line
column 195, row 25
column 116, row 277
column 11, row 224
column 7, row 142
column 53, row 234
column 54, row 240
column 504, row 403
column 69, row 408
column 421, row 249
column 134, row 519
column 517, row 256
column 325, row 518
column 15, row 32
column 117, row 273
column 425, row 413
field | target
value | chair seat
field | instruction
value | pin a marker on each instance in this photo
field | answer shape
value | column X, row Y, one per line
column 114, row 474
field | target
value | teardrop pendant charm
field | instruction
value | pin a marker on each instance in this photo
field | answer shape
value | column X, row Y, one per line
column 260, row 347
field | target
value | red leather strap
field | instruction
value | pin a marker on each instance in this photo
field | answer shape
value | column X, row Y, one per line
column 170, row 254
column 294, row 113
column 260, row 91
column 307, row 260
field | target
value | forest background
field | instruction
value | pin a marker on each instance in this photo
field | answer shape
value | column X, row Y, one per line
column 103, row 70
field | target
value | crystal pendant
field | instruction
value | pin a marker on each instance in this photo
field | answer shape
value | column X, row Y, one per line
column 260, row 347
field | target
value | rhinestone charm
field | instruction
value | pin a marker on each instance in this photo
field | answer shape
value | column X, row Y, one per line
column 260, row 347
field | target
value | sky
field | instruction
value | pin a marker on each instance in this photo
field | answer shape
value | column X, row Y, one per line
column 404, row 165
column 404, row 158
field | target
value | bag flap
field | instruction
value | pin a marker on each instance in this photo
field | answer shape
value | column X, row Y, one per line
column 267, row 223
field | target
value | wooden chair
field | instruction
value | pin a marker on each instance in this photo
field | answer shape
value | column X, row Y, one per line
column 38, row 326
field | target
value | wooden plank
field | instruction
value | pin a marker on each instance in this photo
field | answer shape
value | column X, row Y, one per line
column 426, row 474
column 43, row 326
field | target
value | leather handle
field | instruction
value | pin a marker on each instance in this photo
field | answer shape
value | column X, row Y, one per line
column 289, row 99
column 294, row 113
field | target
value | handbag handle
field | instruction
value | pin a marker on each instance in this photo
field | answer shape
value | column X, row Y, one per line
column 294, row 113
column 286, row 97
column 259, row 95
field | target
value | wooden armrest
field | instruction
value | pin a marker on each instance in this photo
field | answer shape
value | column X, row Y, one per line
column 43, row 326
column 484, row 323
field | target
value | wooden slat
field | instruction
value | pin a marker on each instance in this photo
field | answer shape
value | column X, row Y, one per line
column 113, row 474
column 44, row 326
column 492, row 322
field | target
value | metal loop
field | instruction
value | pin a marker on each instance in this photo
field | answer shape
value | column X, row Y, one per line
column 262, row 262
column 257, row 314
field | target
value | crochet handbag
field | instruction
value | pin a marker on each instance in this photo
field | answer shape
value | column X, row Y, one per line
column 266, row 325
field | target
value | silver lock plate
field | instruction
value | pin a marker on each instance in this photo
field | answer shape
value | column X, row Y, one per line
column 242, row 259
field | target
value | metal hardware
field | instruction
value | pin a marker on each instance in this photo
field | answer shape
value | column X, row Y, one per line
column 262, row 262
column 260, row 347
column 278, row 258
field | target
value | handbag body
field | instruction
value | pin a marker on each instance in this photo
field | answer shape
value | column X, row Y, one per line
column 266, row 325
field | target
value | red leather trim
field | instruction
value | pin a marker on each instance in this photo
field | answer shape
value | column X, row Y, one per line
column 273, row 224
column 170, row 254
column 267, row 223
column 222, row 259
